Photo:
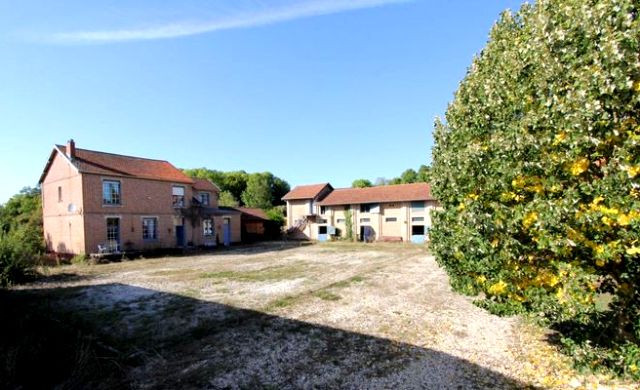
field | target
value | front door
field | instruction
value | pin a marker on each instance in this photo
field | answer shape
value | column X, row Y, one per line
column 417, row 234
column 322, row 233
column 226, row 231
column 180, row 235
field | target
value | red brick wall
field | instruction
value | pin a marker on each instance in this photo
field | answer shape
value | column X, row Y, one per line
column 62, row 216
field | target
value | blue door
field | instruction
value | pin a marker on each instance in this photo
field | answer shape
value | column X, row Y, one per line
column 180, row 235
column 322, row 233
column 226, row 231
column 417, row 234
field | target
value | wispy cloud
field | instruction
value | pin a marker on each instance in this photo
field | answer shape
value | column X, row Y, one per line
column 260, row 17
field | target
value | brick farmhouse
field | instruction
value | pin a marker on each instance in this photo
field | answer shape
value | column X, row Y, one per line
column 102, row 202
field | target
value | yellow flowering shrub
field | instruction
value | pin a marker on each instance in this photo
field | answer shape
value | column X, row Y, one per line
column 545, row 216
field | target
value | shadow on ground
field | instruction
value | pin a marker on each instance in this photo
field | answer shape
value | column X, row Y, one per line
column 121, row 336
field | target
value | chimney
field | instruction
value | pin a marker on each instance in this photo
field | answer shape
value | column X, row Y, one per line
column 71, row 149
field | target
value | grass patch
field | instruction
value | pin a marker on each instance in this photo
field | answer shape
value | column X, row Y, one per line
column 261, row 275
column 327, row 295
column 280, row 303
column 346, row 282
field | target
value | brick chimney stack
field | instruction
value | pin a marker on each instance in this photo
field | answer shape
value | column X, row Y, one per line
column 71, row 149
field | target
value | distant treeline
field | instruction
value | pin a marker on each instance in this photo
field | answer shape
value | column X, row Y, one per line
column 239, row 188
column 409, row 176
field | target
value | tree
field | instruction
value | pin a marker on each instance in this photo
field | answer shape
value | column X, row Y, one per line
column 226, row 199
column 279, row 188
column 537, row 169
column 276, row 214
column 381, row 181
column 233, row 185
column 348, row 225
column 217, row 177
column 361, row 183
column 409, row 176
column 258, row 192
column 21, row 235
column 424, row 174
column 236, row 183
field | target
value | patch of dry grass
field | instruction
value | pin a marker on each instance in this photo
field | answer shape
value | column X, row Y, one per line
column 261, row 275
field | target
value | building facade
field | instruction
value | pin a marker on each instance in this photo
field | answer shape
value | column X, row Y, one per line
column 384, row 213
column 101, row 202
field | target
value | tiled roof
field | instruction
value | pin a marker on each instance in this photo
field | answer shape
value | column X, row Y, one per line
column 90, row 161
column 253, row 213
column 305, row 192
column 204, row 185
column 390, row 193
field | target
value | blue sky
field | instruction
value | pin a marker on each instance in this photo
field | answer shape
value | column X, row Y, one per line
column 312, row 90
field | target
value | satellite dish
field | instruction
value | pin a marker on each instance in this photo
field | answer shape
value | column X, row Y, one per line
column 71, row 208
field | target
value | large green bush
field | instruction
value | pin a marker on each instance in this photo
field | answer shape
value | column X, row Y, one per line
column 21, row 237
column 537, row 167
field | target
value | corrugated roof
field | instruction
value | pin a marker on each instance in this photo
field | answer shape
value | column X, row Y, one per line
column 305, row 192
column 390, row 193
column 205, row 185
column 101, row 163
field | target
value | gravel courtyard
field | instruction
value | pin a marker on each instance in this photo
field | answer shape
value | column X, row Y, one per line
column 300, row 316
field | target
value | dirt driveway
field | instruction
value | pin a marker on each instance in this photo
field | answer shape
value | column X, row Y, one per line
column 313, row 316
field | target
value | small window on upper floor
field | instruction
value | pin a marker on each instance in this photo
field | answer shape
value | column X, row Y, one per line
column 205, row 198
column 417, row 206
column 59, row 194
column 323, row 210
column 373, row 208
column 111, row 192
column 177, row 193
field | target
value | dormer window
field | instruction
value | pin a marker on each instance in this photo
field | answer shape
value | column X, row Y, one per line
column 205, row 198
column 178, row 196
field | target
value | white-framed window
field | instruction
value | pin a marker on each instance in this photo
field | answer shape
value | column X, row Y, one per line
column 340, row 220
column 177, row 193
column 207, row 227
column 417, row 219
column 205, row 198
column 365, row 220
column 391, row 219
column 111, row 192
column 150, row 228
column 323, row 210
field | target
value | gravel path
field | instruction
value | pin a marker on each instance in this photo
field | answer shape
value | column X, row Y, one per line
column 318, row 316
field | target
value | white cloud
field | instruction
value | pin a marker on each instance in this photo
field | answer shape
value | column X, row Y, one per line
column 261, row 17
